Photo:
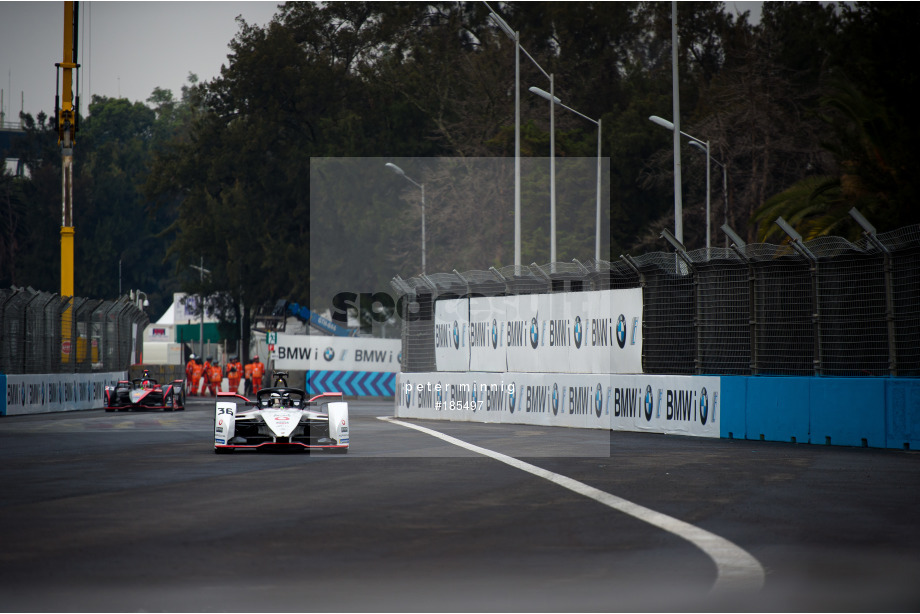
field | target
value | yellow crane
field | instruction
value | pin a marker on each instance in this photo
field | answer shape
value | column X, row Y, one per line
column 65, row 112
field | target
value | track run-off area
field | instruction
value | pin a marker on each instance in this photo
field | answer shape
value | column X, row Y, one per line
column 133, row 511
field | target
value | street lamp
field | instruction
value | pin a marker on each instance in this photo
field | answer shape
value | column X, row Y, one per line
column 201, row 273
column 515, row 36
column 421, row 186
column 517, row 131
column 555, row 100
column 136, row 299
column 704, row 147
column 709, row 157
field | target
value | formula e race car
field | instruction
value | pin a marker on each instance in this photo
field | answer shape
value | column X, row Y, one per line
column 281, row 417
column 144, row 393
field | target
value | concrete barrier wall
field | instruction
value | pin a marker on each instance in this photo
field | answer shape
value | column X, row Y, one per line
column 872, row 412
column 867, row 412
column 35, row 394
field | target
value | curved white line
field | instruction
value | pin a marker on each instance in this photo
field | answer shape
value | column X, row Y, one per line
column 737, row 571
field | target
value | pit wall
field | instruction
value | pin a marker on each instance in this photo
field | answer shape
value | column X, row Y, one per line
column 867, row 412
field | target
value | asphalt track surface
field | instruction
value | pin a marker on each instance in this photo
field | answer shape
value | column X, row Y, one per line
column 134, row 512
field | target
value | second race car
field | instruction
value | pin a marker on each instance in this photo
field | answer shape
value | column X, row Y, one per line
column 144, row 393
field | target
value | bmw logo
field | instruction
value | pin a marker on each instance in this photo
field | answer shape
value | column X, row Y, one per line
column 555, row 399
column 399, row 358
column 456, row 335
column 511, row 398
column 534, row 333
column 704, row 406
column 649, row 403
column 598, row 400
column 329, row 354
column 577, row 331
column 621, row 331
column 494, row 334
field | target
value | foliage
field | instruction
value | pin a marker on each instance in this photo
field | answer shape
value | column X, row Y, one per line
column 272, row 174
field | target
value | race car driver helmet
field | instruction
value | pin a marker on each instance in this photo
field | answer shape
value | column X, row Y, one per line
column 276, row 400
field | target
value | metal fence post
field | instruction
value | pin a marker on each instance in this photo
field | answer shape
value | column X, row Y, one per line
column 871, row 235
column 799, row 246
column 739, row 246
column 681, row 252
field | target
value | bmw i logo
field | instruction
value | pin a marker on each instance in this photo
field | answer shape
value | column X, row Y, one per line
column 399, row 358
column 621, row 331
column 511, row 398
column 649, row 403
column 534, row 333
column 577, row 331
column 555, row 399
column 598, row 400
column 329, row 354
column 494, row 334
column 456, row 335
column 704, row 406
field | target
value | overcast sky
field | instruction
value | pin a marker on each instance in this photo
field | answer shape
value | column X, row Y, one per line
column 127, row 48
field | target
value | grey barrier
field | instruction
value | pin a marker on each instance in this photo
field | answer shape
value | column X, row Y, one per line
column 822, row 307
column 41, row 332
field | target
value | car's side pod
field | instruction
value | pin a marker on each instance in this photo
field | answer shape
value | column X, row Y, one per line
column 224, row 418
column 338, row 422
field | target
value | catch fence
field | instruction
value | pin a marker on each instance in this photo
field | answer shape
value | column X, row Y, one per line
column 43, row 333
column 834, row 308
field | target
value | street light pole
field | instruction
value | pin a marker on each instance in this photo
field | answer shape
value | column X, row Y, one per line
column 201, row 272
column 704, row 147
column 516, row 37
column 421, row 186
column 556, row 100
column 552, row 173
column 675, row 89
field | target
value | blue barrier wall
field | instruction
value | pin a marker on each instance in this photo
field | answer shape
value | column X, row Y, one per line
column 878, row 413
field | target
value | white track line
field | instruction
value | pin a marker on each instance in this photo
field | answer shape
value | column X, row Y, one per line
column 737, row 571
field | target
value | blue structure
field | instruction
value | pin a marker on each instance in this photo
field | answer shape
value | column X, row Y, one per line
column 867, row 412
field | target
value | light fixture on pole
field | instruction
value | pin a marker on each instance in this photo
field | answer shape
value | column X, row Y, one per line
column 201, row 273
column 515, row 36
column 141, row 304
column 708, row 151
column 704, row 147
column 555, row 100
column 421, row 186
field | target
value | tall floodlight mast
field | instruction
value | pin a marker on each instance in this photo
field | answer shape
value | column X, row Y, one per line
column 66, row 106
column 65, row 115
